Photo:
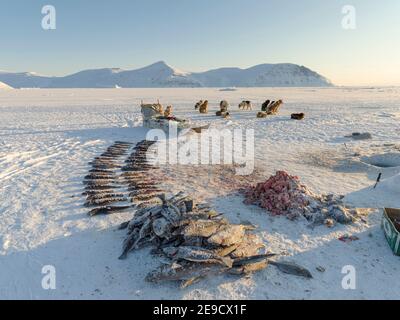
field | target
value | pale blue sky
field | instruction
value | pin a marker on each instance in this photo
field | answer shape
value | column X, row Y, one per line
column 196, row 35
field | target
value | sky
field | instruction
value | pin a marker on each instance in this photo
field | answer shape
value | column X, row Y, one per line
column 197, row 35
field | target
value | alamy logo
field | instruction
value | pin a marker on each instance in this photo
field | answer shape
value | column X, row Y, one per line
column 49, row 20
column 214, row 147
column 349, row 280
column 349, row 19
column 49, row 279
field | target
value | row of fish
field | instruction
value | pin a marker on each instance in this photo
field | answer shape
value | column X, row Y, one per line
column 106, row 183
column 114, row 185
column 140, row 175
column 102, row 184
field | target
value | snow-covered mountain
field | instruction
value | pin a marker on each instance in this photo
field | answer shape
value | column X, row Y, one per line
column 161, row 75
column 4, row 86
column 263, row 75
column 24, row 80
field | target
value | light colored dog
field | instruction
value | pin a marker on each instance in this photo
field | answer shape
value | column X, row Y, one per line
column 245, row 105
column 159, row 107
column 224, row 105
column 204, row 107
column 273, row 108
column 168, row 112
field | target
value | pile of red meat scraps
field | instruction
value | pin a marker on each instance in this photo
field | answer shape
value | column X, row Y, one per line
column 283, row 194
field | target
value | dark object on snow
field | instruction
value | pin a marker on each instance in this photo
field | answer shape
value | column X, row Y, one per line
column 297, row 116
column 265, row 105
column 347, row 238
column 320, row 269
column 108, row 210
column 360, row 136
column 292, row 268
column 378, row 180
column 243, row 261
column 123, row 225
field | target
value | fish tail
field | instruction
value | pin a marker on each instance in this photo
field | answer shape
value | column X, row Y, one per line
column 123, row 256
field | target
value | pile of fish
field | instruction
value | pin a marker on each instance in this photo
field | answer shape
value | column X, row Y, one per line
column 197, row 242
column 283, row 194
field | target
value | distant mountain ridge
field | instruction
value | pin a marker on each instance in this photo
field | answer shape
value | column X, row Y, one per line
column 161, row 75
column 4, row 86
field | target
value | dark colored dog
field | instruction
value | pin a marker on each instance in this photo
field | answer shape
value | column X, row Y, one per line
column 297, row 116
column 198, row 104
column 265, row 105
